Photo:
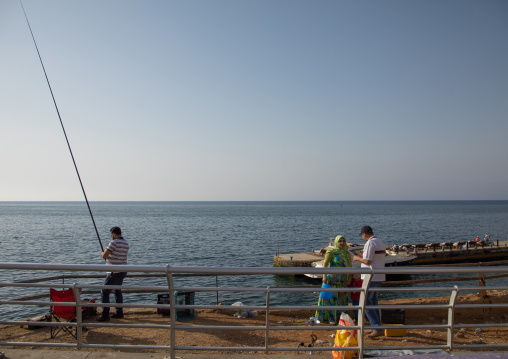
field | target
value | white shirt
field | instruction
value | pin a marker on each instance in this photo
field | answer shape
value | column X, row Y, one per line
column 372, row 246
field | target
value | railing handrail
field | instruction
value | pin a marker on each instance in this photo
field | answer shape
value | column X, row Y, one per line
column 249, row 270
column 169, row 271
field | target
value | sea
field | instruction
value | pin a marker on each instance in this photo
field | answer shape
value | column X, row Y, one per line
column 226, row 234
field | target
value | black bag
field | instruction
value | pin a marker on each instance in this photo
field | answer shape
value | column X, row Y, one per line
column 163, row 299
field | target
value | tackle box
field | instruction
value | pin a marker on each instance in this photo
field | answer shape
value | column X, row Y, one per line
column 163, row 299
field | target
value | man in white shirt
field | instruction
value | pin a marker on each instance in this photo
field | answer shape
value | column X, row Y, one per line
column 373, row 256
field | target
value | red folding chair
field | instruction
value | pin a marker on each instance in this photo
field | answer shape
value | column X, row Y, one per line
column 62, row 313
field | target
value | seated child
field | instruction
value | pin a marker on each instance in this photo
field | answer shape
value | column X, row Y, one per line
column 356, row 282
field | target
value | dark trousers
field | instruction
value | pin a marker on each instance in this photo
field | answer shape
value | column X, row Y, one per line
column 373, row 315
column 113, row 279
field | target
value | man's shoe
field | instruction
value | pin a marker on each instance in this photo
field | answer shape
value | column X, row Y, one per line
column 102, row 319
column 117, row 316
column 376, row 333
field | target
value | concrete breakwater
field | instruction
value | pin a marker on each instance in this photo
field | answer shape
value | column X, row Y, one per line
column 429, row 254
column 494, row 251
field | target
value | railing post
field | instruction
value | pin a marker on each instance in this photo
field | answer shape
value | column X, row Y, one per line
column 267, row 320
column 172, row 313
column 216, row 286
column 361, row 313
column 451, row 315
column 79, row 317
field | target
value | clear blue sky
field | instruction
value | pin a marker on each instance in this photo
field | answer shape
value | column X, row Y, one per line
column 255, row 100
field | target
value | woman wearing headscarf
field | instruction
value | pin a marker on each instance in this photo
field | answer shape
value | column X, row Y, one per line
column 337, row 256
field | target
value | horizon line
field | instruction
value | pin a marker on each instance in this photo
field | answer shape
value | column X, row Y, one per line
column 255, row 201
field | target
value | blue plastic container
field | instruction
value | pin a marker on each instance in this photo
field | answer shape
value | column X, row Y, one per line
column 326, row 295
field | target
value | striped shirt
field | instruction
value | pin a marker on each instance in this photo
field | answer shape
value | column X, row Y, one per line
column 119, row 248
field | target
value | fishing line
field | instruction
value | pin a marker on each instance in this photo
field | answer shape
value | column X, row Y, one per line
column 61, row 123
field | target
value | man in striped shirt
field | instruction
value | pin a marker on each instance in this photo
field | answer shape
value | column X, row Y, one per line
column 115, row 254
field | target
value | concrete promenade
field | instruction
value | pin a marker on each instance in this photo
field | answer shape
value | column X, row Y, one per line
column 82, row 354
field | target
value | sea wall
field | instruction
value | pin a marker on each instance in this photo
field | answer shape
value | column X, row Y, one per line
column 460, row 256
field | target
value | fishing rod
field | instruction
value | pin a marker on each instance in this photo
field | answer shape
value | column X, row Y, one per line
column 61, row 123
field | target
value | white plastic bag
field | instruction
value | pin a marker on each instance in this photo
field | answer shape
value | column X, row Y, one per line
column 345, row 338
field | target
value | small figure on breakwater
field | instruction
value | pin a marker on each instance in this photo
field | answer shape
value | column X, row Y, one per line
column 322, row 251
column 115, row 254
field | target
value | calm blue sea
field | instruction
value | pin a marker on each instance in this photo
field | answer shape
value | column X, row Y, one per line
column 233, row 234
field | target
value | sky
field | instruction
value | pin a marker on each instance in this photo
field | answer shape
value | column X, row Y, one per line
column 262, row 100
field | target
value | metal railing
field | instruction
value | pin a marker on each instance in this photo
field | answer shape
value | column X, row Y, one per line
column 170, row 272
